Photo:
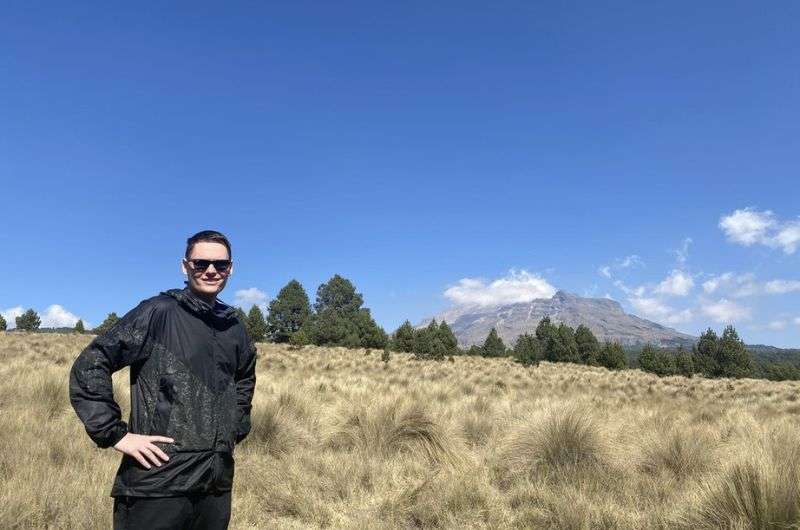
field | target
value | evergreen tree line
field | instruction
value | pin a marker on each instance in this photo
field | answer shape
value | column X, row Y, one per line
column 336, row 319
column 434, row 341
column 550, row 342
column 715, row 356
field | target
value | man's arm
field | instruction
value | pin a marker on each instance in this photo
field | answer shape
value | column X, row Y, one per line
column 90, row 384
column 245, row 386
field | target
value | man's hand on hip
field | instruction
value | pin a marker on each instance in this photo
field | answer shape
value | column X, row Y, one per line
column 142, row 447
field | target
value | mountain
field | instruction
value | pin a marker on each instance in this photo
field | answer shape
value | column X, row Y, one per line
column 604, row 317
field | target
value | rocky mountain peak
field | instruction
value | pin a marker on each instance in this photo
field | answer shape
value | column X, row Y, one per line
column 606, row 318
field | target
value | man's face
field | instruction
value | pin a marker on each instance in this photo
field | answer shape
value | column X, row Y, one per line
column 209, row 281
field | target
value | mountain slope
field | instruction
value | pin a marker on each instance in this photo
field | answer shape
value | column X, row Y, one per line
column 604, row 317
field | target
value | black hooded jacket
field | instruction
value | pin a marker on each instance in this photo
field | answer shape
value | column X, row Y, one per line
column 192, row 377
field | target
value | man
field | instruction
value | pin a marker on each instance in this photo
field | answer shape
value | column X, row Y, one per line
column 192, row 377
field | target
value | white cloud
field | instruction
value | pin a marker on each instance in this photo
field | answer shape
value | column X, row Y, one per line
column 797, row 321
column 246, row 298
column 631, row 261
column 788, row 238
column 10, row 315
column 638, row 292
column 715, row 282
column 605, row 271
column 777, row 325
column 682, row 254
column 516, row 287
column 55, row 316
column 735, row 285
column 782, row 286
column 678, row 283
column 655, row 309
column 724, row 310
column 749, row 226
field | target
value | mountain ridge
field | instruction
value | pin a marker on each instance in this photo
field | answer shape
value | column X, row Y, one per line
column 605, row 317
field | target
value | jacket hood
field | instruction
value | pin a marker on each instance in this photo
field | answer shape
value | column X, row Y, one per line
column 199, row 306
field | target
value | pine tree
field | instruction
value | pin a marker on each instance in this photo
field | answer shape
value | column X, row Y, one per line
column 733, row 358
column 705, row 354
column 612, row 356
column 647, row 358
column 528, row 350
column 299, row 338
column 242, row 316
column 330, row 327
column 561, row 345
column 423, row 340
column 107, row 324
column 3, row 323
column 547, row 335
column 683, row 363
column 338, row 294
column 288, row 312
column 475, row 350
column 28, row 321
column 448, row 339
column 588, row 345
column 403, row 339
column 340, row 320
column 370, row 334
column 493, row 345
column 545, row 330
column 79, row 328
column 663, row 363
column 256, row 326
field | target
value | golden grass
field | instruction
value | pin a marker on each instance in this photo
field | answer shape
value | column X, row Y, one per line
column 342, row 440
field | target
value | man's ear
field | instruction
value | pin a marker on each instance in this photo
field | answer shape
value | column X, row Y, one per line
column 183, row 267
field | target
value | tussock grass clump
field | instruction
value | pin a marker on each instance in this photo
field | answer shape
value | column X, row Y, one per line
column 277, row 426
column 398, row 427
column 760, row 489
column 50, row 394
column 562, row 440
column 681, row 452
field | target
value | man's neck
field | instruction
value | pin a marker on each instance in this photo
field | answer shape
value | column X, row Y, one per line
column 210, row 299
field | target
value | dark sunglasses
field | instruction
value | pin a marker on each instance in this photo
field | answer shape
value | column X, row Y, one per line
column 200, row 265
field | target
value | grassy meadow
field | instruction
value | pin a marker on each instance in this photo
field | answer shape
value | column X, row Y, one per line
column 341, row 439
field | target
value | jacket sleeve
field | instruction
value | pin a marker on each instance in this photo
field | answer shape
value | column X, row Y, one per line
column 90, row 384
column 245, row 386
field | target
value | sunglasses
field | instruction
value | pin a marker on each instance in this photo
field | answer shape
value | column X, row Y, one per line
column 200, row 265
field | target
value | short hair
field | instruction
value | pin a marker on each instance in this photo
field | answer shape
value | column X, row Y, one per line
column 210, row 236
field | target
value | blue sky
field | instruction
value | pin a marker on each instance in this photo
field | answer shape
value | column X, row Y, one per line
column 434, row 153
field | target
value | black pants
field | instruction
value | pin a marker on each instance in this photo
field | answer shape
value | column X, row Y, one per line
column 192, row 512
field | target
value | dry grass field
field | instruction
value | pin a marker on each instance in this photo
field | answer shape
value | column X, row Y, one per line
column 341, row 440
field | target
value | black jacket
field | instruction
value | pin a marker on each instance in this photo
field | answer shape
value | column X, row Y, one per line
column 192, row 377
